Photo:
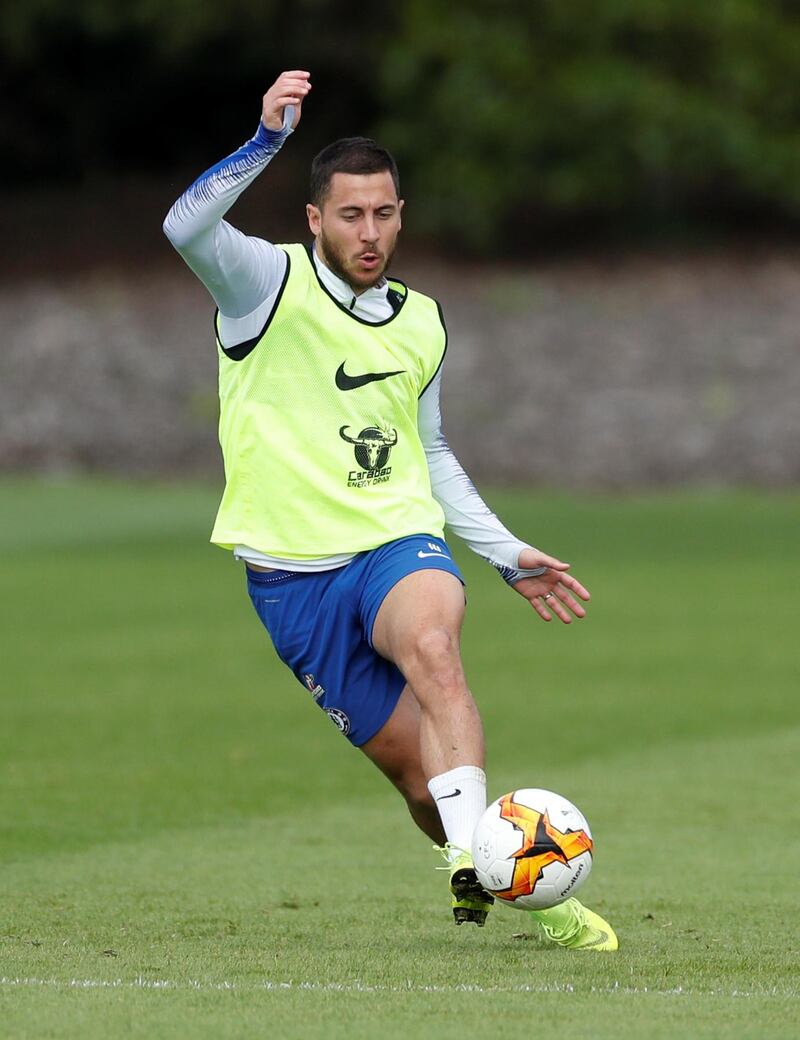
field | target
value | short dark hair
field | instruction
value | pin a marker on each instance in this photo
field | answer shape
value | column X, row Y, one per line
column 349, row 155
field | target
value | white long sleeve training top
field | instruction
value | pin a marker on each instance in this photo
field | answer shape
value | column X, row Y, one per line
column 244, row 275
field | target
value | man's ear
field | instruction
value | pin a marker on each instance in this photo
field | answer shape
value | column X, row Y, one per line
column 314, row 215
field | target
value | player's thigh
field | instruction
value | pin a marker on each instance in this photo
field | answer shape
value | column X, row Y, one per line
column 422, row 604
column 318, row 634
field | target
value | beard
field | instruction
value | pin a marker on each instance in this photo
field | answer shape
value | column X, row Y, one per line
column 336, row 259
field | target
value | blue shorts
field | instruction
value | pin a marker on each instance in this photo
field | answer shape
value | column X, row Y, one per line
column 321, row 626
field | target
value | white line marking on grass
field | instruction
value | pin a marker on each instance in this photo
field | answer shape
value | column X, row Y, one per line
column 139, row 982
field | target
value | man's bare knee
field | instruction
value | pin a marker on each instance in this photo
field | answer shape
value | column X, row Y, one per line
column 434, row 656
column 437, row 644
column 423, row 602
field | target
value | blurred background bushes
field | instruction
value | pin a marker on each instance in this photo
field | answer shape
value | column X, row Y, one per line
column 556, row 118
column 654, row 142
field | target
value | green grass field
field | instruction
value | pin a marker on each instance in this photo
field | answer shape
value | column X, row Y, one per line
column 189, row 849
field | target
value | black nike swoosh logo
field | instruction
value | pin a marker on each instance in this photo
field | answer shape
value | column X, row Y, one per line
column 601, row 938
column 346, row 382
column 453, row 795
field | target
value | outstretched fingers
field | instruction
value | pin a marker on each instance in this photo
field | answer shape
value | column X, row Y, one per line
column 557, row 595
column 562, row 603
column 552, row 603
column 570, row 584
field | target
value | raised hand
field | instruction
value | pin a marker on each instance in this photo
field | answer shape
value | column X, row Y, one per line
column 290, row 88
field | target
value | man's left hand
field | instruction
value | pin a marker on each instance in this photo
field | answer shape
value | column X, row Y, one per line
column 554, row 591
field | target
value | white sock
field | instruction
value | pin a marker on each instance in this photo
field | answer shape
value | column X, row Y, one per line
column 460, row 796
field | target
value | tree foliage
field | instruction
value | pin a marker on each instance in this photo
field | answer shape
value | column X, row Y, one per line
column 507, row 118
column 517, row 115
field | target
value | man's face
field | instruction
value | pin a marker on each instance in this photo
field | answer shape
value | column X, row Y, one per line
column 357, row 226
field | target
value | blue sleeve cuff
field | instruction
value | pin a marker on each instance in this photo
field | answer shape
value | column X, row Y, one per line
column 270, row 139
column 511, row 575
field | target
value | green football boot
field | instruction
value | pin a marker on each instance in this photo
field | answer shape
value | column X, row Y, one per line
column 470, row 901
column 576, row 927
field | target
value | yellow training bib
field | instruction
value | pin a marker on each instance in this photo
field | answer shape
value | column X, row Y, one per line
column 318, row 423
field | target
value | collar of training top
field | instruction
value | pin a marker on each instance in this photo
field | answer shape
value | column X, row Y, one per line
column 340, row 289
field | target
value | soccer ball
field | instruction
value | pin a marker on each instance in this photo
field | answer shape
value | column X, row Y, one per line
column 532, row 849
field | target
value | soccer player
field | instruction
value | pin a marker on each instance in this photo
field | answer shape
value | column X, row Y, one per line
column 339, row 482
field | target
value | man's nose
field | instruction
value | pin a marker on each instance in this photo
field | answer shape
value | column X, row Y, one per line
column 369, row 229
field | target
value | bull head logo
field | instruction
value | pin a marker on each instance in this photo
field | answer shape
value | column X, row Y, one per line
column 372, row 446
